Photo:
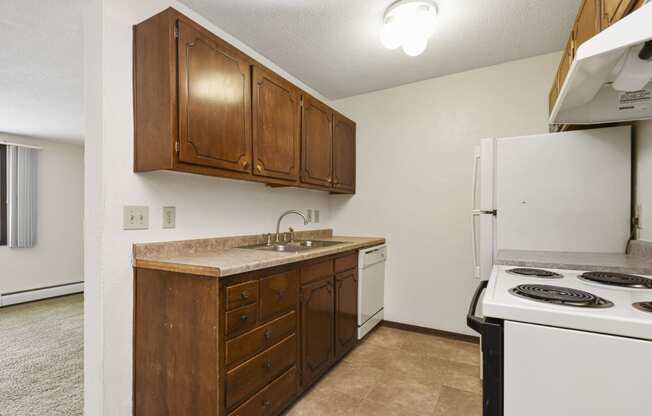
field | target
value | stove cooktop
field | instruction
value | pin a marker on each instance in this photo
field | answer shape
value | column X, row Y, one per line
column 630, row 281
column 560, row 296
column 574, row 301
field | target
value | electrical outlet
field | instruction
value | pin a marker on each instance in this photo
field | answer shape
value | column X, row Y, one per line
column 169, row 217
column 316, row 216
column 135, row 217
column 309, row 216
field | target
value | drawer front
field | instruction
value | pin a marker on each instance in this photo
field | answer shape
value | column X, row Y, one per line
column 241, row 294
column 253, row 342
column 278, row 293
column 316, row 271
column 248, row 378
column 273, row 398
column 242, row 319
column 347, row 262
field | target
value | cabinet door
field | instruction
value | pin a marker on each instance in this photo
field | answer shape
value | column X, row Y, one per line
column 276, row 125
column 317, row 142
column 214, row 101
column 317, row 328
column 588, row 22
column 614, row 10
column 343, row 153
column 346, row 312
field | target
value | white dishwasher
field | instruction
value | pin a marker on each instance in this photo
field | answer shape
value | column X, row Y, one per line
column 371, row 288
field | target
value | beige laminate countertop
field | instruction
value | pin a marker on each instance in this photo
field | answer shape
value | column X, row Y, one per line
column 232, row 260
column 607, row 262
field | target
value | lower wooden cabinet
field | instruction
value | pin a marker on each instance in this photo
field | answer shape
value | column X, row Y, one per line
column 242, row 345
column 346, row 312
column 318, row 328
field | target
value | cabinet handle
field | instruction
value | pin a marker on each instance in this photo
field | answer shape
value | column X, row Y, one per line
column 330, row 180
column 244, row 318
column 267, row 365
column 336, row 181
column 281, row 294
column 244, row 295
column 259, row 168
column 245, row 164
column 268, row 334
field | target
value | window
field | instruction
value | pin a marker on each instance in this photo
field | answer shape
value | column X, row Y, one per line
column 3, row 195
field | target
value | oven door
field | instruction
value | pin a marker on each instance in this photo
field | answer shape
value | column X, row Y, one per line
column 491, row 332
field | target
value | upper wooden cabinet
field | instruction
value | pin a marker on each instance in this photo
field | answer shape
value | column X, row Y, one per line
column 614, row 10
column 587, row 23
column 277, row 124
column 317, row 142
column 202, row 106
column 343, row 153
column 592, row 17
column 214, row 101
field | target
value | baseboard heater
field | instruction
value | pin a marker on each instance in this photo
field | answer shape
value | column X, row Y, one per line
column 31, row 295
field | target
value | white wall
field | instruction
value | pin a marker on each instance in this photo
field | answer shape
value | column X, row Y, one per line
column 415, row 154
column 643, row 175
column 57, row 257
column 205, row 206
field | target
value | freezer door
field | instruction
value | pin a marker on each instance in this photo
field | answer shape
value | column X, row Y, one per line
column 564, row 191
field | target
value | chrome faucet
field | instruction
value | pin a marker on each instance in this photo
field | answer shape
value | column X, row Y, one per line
column 278, row 223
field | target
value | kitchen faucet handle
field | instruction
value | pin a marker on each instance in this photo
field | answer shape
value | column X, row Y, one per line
column 291, row 234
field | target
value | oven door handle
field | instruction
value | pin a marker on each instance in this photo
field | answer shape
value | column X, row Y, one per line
column 474, row 322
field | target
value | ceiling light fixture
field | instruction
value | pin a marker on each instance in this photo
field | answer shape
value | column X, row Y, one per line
column 409, row 23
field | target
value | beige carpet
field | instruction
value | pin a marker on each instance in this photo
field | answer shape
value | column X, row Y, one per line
column 41, row 358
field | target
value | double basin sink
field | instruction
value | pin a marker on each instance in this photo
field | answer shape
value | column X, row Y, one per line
column 294, row 246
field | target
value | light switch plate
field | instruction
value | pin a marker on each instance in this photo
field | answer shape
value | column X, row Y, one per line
column 169, row 217
column 309, row 216
column 135, row 217
column 316, row 216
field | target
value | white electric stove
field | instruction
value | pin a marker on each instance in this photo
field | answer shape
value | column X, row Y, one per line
column 565, row 342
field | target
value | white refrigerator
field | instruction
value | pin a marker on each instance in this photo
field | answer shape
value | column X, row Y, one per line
column 567, row 191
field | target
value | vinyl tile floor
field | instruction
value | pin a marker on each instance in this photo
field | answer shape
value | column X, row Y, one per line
column 399, row 373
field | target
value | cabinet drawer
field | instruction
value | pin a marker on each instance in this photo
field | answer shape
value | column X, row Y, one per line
column 273, row 398
column 278, row 293
column 316, row 271
column 251, row 343
column 239, row 320
column 347, row 262
column 248, row 378
column 241, row 294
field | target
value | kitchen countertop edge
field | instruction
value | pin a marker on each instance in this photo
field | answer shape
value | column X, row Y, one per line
column 179, row 266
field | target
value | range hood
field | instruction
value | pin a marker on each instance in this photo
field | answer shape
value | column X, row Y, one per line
column 610, row 77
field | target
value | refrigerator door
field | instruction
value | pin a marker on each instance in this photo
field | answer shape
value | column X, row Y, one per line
column 565, row 191
column 483, row 212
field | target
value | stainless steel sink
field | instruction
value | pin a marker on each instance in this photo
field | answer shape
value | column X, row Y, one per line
column 294, row 247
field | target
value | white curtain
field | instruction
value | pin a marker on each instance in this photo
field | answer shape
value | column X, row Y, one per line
column 22, row 167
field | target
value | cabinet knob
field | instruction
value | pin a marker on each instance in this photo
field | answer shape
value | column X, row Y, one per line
column 245, row 164
column 330, row 180
column 267, row 365
column 335, row 180
column 267, row 403
column 244, row 295
column 281, row 293
column 259, row 168
column 244, row 318
column 268, row 334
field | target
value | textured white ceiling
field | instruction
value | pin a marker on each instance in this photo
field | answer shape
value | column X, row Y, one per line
column 333, row 45
column 41, row 68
